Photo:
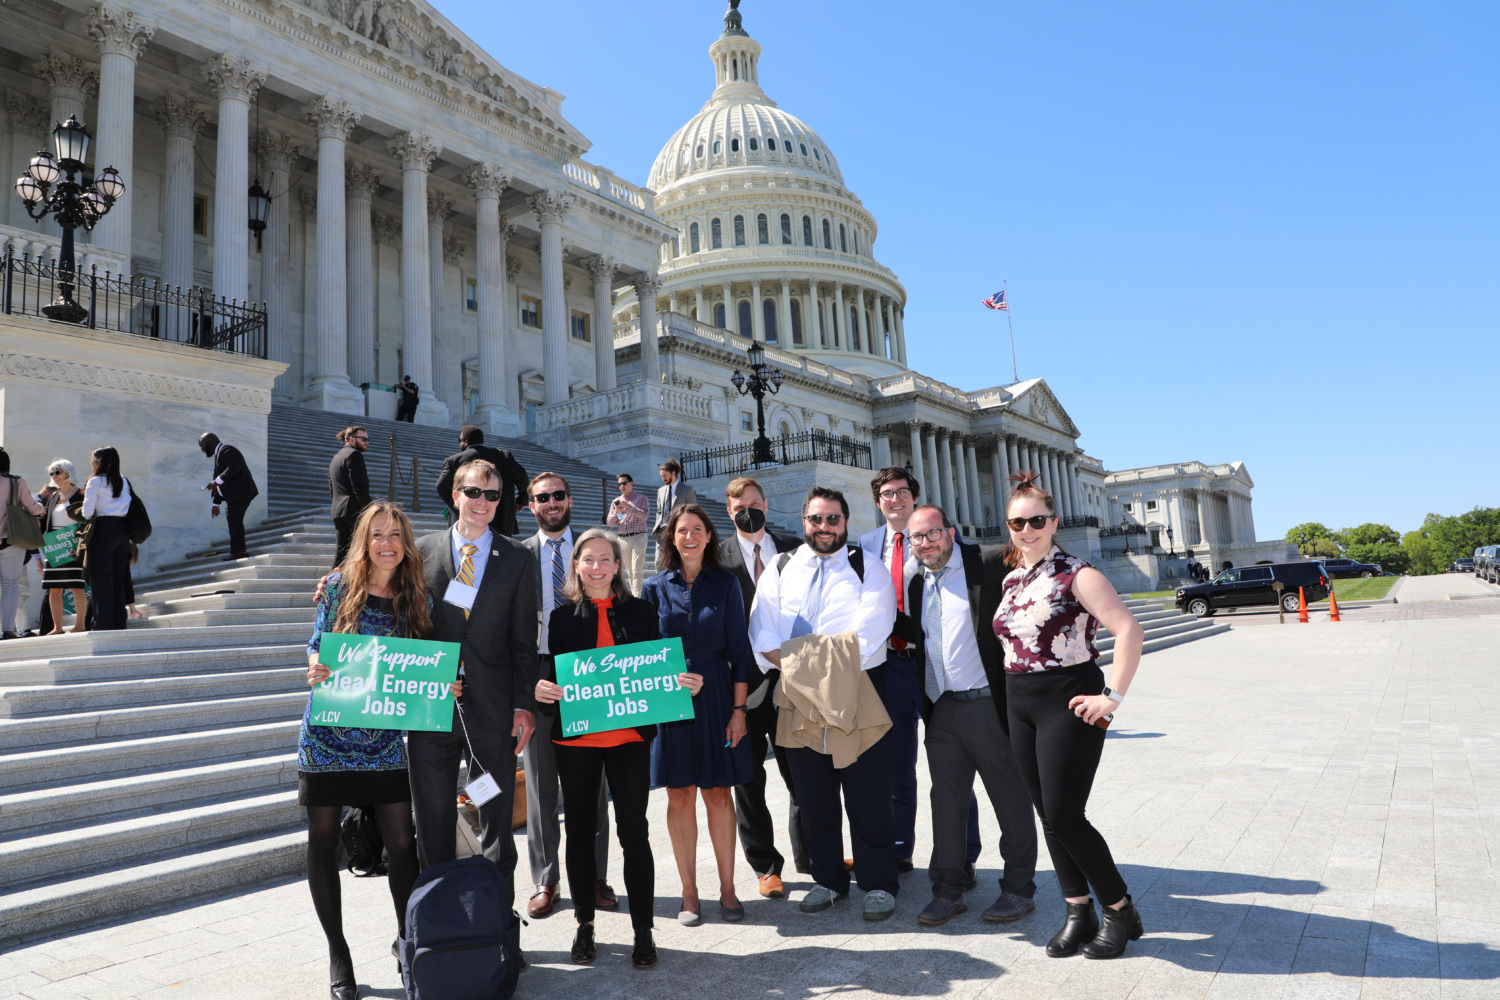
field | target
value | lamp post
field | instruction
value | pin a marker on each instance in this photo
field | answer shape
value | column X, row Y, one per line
column 1170, row 551
column 1125, row 530
column 48, row 188
column 762, row 379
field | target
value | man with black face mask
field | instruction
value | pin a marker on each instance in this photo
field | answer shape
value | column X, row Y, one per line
column 749, row 552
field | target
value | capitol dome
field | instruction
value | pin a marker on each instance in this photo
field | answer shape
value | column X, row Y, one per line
column 742, row 131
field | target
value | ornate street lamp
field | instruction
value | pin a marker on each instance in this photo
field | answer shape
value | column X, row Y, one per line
column 762, row 379
column 260, row 207
column 48, row 188
column 1125, row 530
column 1170, row 551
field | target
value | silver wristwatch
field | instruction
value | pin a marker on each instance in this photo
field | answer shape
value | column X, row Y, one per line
column 1113, row 695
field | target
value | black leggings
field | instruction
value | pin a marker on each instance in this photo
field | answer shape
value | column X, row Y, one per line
column 323, row 866
column 628, row 769
column 1058, row 754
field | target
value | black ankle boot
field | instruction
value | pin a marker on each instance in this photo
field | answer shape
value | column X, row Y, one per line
column 1079, row 929
column 643, row 956
column 1120, row 927
column 583, row 945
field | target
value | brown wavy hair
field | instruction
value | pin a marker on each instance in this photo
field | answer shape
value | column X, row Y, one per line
column 667, row 556
column 1028, row 486
column 408, row 585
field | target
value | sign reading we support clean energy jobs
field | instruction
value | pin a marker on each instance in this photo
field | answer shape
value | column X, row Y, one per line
column 619, row 686
column 382, row 682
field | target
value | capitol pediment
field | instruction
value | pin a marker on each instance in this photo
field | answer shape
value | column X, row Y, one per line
column 1034, row 399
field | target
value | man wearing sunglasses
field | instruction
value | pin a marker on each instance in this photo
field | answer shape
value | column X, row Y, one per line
column 471, row 448
column 552, row 545
column 953, row 600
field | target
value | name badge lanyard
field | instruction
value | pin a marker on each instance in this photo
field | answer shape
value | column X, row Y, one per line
column 483, row 788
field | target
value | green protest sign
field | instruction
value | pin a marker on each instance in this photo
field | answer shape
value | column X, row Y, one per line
column 382, row 682
column 58, row 546
column 619, row 686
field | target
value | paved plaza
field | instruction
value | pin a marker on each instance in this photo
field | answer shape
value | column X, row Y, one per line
column 1304, row 811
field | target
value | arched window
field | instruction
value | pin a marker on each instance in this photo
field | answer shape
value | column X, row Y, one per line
column 734, row 145
column 807, row 239
column 699, row 152
column 734, row 68
column 804, row 148
column 762, row 229
column 796, row 322
column 827, row 237
column 739, row 230
column 693, row 244
column 771, row 145
column 746, row 329
column 843, row 244
column 786, row 229
column 754, row 144
column 768, row 309
column 718, row 147
column 719, row 316
column 856, row 242
column 785, row 430
column 676, row 251
column 715, row 234
column 815, row 153
column 854, row 327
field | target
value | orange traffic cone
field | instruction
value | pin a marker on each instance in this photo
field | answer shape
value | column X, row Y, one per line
column 1301, row 604
column 1333, row 608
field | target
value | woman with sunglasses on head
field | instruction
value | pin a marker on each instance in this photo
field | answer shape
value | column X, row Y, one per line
column 63, row 503
column 1058, row 705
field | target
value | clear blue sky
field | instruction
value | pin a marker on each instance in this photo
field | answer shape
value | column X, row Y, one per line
column 1264, row 232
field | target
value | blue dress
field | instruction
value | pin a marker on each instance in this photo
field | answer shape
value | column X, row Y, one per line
column 343, row 766
column 709, row 618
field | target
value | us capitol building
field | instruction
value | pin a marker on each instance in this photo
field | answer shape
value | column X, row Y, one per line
column 428, row 212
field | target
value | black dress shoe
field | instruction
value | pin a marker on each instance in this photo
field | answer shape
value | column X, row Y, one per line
column 344, row 989
column 903, row 865
column 1120, row 927
column 1077, row 930
column 583, row 945
column 643, row 955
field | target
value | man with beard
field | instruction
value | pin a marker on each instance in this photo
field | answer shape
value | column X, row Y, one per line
column 824, row 589
column 953, row 601
column 348, row 486
column 552, row 506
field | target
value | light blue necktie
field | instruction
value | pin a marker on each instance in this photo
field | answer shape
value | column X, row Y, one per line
column 806, row 622
column 932, row 624
column 559, row 578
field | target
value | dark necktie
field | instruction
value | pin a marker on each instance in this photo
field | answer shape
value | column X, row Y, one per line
column 898, row 563
column 760, row 564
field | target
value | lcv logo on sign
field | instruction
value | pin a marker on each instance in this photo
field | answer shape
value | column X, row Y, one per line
column 621, row 686
column 381, row 682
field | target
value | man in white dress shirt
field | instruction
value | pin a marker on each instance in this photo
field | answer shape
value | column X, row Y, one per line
column 824, row 588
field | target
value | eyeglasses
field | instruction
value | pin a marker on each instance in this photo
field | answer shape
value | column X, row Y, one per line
column 902, row 494
column 474, row 493
column 58, row 472
column 928, row 536
column 817, row 520
column 559, row 496
column 1038, row 522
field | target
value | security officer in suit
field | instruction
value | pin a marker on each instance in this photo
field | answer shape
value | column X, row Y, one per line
column 233, row 487
column 752, row 549
column 471, row 447
column 484, row 599
column 672, row 492
column 348, row 486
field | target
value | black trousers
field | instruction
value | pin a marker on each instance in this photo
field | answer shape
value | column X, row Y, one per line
column 344, row 528
column 865, row 787
column 754, row 816
column 1058, row 754
column 109, row 572
column 627, row 768
column 234, row 513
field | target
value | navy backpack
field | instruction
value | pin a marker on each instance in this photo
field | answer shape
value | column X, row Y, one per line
column 463, row 940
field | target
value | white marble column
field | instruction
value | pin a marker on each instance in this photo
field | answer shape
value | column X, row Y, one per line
column 181, row 119
column 417, row 153
column 330, row 389
column 647, row 287
column 492, row 414
column 551, row 207
column 120, row 36
column 960, row 478
column 602, row 272
column 1053, row 482
column 698, row 302
column 880, row 448
column 813, row 335
column 757, row 312
column 945, row 476
column 877, row 324
column 971, row 466
column 998, row 476
column 784, row 316
column 1075, row 495
column 1033, row 459
column 234, row 82
column 934, row 482
column 29, row 128
column 918, row 469
column 896, row 311
column 276, row 153
column 1013, row 454
column 70, row 82
column 360, row 185
column 731, row 321
column 841, row 320
column 439, row 207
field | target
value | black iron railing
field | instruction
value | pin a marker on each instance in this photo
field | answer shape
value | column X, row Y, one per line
column 790, row 449
column 125, row 305
column 1116, row 531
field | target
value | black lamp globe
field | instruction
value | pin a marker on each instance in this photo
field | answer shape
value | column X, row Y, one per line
column 260, row 207
column 71, row 141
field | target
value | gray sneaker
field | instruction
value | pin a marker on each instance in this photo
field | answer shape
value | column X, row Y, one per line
column 879, row 904
column 1008, row 907
column 820, row 898
column 939, row 910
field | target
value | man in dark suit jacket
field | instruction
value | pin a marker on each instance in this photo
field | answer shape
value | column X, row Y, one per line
column 407, row 396
column 964, row 714
column 493, row 719
column 672, row 493
column 513, row 478
column 751, row 540
column 232, row 486
column 348, row 486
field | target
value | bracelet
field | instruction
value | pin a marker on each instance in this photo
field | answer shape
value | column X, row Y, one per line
column 740, row 708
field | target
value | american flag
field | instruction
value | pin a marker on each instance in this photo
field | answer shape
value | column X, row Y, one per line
column 997, row 301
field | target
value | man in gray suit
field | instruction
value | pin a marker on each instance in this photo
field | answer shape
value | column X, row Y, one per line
column 672, row 492
column 481, row 581
column 552, row 547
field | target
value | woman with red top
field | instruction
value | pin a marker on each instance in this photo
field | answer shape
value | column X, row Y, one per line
column 1050, row 609
column 600, row 611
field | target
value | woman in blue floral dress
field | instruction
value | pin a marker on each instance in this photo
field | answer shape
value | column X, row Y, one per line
column 378, row 590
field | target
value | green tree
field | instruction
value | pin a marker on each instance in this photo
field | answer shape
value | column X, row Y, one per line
column 1307, row 536
column 1367, row 534
column 1390, row 556
column 1419, row 550
column 1455, row 537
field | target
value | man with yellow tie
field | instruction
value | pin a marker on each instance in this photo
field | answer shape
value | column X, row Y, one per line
column 484, row 595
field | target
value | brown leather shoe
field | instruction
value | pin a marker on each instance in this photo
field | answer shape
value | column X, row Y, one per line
column 604, row 896
column 771, row 887
column 848, row 864
column 542, row 901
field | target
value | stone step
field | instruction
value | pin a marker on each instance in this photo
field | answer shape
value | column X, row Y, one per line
column 209, row 618
column 41, row 768
column 300, row 599
column 43, row 810
column 226, row 574
column 172, row 663
column 1183, row 624
column 1151, row 644
column 29, row 702
column 140, row 639
column 119, row 723
column 301, row 587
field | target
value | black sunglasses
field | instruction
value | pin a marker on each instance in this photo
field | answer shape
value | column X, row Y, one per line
column 1038, row 522
column 559, row 496
column 474, row 493
column 834, row 520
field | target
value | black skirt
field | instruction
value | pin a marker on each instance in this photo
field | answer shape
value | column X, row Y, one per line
column 352, row 788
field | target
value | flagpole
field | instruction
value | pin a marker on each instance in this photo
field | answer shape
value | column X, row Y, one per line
column 1015, row 373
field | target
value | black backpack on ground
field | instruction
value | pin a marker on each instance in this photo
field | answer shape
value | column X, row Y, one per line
column 463, row 940
column 361, row 835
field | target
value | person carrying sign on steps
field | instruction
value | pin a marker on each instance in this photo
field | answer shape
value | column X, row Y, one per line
column 699, row 602
column 599, row 611
column 380, row 591
column 64, row 508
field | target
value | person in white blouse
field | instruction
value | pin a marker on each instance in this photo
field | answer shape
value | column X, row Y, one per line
column 824, row 588
column 12, row 557
column 106, row 501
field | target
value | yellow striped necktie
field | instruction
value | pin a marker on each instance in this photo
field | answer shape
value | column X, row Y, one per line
column 466, row 568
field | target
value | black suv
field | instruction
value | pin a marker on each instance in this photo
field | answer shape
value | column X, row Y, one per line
column 1341, row 569
column 1254, row 586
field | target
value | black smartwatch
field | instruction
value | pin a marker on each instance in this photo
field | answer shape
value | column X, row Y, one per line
column 741, row 708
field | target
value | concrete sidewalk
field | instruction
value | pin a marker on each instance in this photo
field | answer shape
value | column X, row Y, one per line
column 1299, row 812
